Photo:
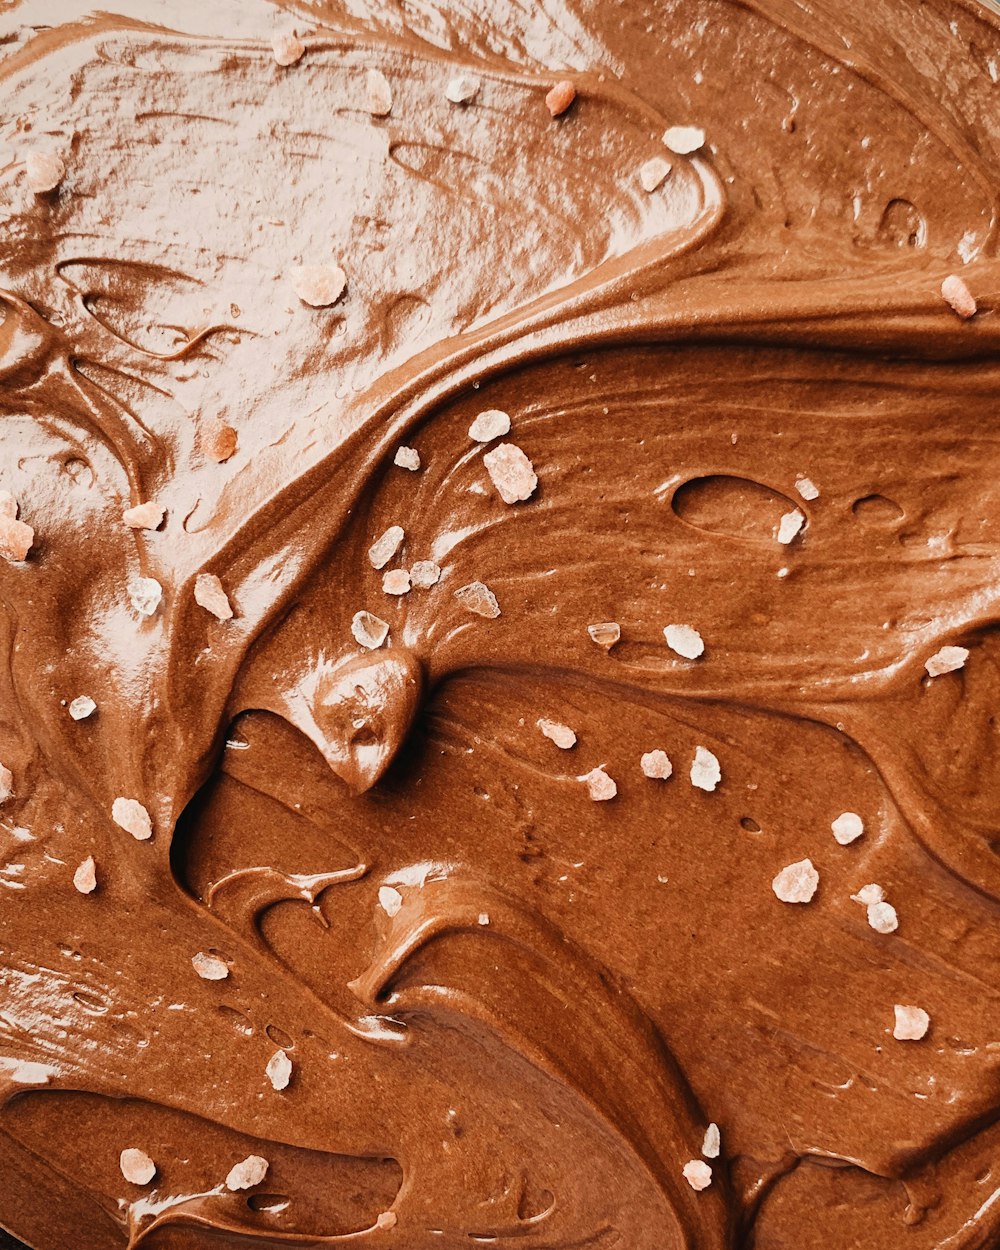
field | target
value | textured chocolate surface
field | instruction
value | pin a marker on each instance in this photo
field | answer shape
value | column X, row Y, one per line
column 317, row 889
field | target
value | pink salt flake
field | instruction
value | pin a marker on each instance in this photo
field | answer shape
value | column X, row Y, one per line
column 6, row 783
column 137, row 1167
column 130, row 815
column 600, row 786
column 288, row 48
column 16, row 539
column 248, row 1173
column 806, row 488
column 684, row 641
column 279, row 1070
column 85, row 877
column 425, row 574
column 219, row 442
column 478, row 598
column 882, row 917
column 488, row 425
column 958, row 295
column 511, row 472
column 683, row 140
column 82, row 707
column 697, row 1173
column 386, row 1219
column 911, row 1023
column 145, row 594
column 712, row 1145
column 869, row 894
column 706, row 772
column 407, row 458
column 210, row 967
column 561, row 735
column 369, row 631
column 560, row 97
column 656, row 765
column 390, row 900
column 947, row 660
column 396, row 582
column 319, row 286
column 210, row 595
column 43, row 171
column 144, row 516
column 789, row 526
column 847, row 828
column 378, row 93
column 605, row 633
column 653, row 173
column 383, row 549
column 797, row 883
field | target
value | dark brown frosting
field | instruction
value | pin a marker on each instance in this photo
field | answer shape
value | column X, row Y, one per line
column 511, row 1008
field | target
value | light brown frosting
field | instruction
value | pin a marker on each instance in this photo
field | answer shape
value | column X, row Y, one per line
column 357, row 915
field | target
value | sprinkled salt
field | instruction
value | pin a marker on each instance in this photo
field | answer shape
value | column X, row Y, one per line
column 425, row 574
column 911, row 1023
column 491, row 424
column 484, row 918
column 137, row 1167
column 686, row 641
column 82, row 707
column 407, row 458
column 369, row 631
column 511, row 472
column 882, row 917
column 806, row 488
column 210, row 967
column 251, row 1171
column 396, row 581
column 605, row 633
column 947, row 660
column 85, row 877
column 378, row 93
column 600, row 786
column 656, row 765
column 287, row 47
column 130, row 815
column 653, row 172
column 389, row 899
column 847, row 827
column 210, row 595
column 869, row 894
column 713, row 1142
column 43, row 171
column 560, row 97
column 705, row 771
column 279, row 1070
column 797, row 882
column 462, row 89
column 684, row 139
column 6, row 783
column 319, row 286
column 958, row 295
column 144, row 516
column 386, row 1219
column 145, row 594
column 789, row 526
column 383, row 549
column 561, row 735
column 697, row 1173
column 478, row 598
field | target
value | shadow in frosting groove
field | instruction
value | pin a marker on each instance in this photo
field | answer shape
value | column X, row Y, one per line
column 381, row 935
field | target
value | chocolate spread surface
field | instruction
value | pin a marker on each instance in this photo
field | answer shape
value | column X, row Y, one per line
column 500, row 568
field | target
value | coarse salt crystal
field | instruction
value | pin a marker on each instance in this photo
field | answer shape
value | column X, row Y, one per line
column 684, row 139
column 85, row 877
column 561, row 735
column 653, row 173
column 656, row 765
column 806, row 488
column 43, row 171
column 389, row 899
column 279, row 1070
column 712, row 1144
column 462, row 89
column 136, row 1166
column 697, row 1173
column 425, row 574
column 145, row 594
column 246, row 1174
column 600, row 786
column 947, row 660
column 882, row 917
column 484, row 918
column 869, row 894
column 687, row 642
column 605, row 633
column 478, row 598
column 130, row 815
column 210, row 967
column 511, row 472
column 789, row 526
column 210, row 595
column 144, row 516
column 82, row 707
column 407, row 458
column 378, row 93
column 911, row 1023
column 560, row 97
column 847, row 827
column 958, row 295
column 6, row 783
column 386, row 1219
column 319, row 286
column 491, row 424
column 705, row 771
column 383, row 549
column 369, row 630
column 288, row 48
column 796, row 883
column 16, row 539
column 396, row 581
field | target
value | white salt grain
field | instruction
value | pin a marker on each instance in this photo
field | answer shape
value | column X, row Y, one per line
column 684, row 640
column 491, row 424
column 796, row 883
column 383, row 549
column 847, row 828
column 705, row 771
column 656, row 765
column 911, row 1023
column 947, row 660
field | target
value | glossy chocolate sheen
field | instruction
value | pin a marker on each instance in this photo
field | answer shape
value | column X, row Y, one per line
column 456, row 977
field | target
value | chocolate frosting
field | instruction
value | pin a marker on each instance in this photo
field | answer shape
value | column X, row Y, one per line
column 388, row 933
